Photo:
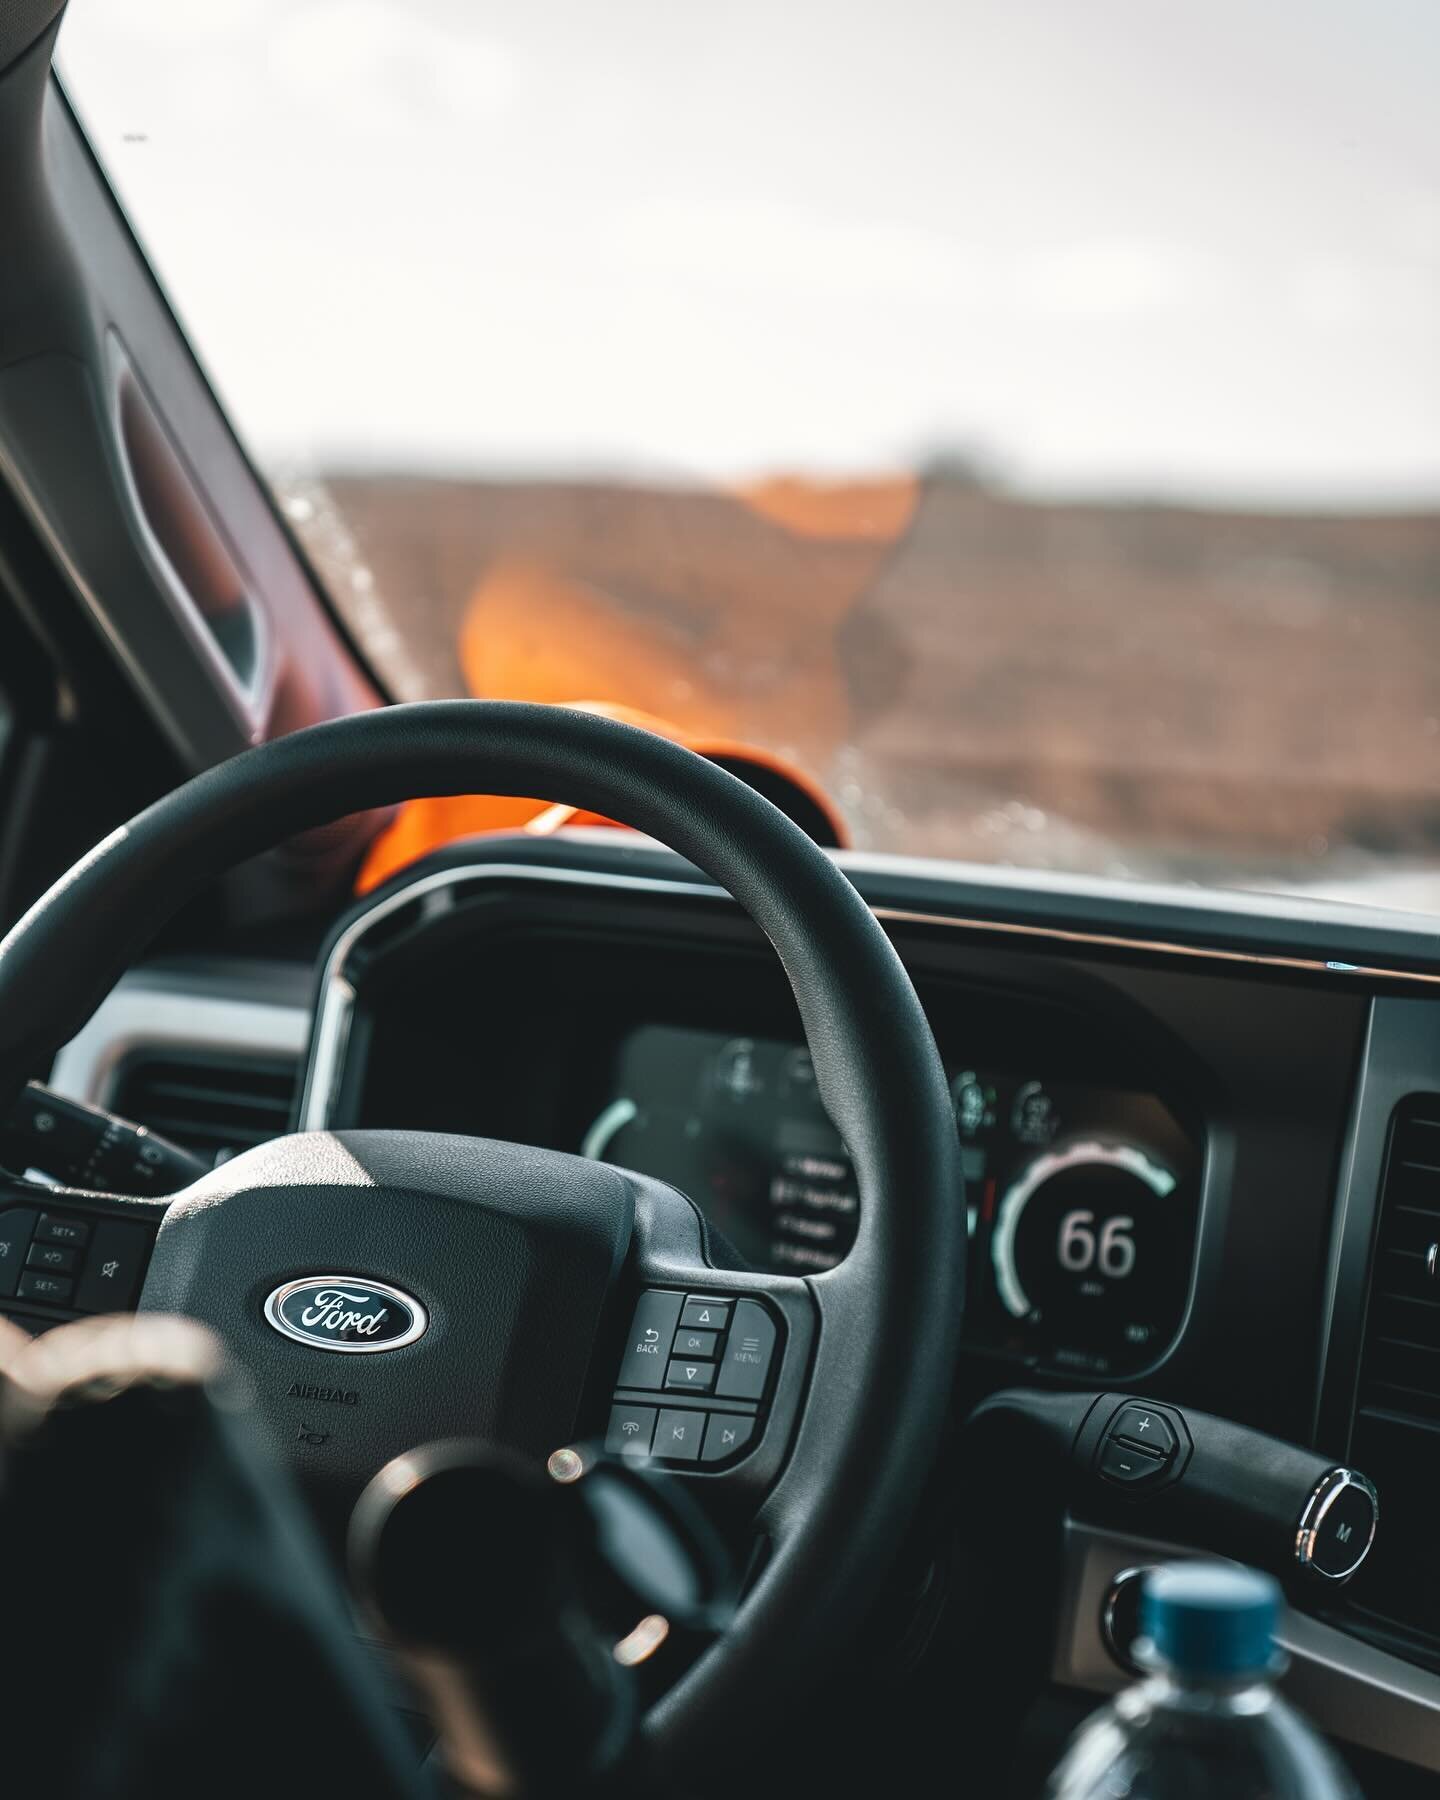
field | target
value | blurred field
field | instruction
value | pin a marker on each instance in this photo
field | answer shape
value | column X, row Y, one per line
column 1122, row 688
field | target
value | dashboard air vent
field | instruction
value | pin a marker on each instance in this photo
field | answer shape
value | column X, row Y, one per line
column 1395, row 1437
column 213, row 1105
column 1400, row 1360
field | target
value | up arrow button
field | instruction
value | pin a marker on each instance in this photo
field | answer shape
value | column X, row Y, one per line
column 704, row 1315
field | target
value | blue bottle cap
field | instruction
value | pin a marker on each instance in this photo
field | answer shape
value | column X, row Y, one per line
column 1211, row 1620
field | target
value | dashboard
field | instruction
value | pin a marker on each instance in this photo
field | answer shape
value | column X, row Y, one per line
column 1175, row 1126
column 636, row 1030
column 1142, row 1144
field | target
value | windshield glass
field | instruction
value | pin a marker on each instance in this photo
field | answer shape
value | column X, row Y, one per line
column 1025, row 420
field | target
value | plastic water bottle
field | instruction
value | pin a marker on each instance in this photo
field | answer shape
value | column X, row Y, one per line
column 1206, row 1722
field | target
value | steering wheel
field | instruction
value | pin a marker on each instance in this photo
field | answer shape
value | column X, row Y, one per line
column 527, row 1262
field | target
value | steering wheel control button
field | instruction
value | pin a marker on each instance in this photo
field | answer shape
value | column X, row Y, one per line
column 1147, row 1429
column 652, row 1332
column 54, row 1257
column 1337, row 1526
column 17, row 1225
column 54, row 1290
column 749, row 1352
column 1141, row 1446
column 718, row 1350
column 111, row 1277
column 678, row 1436
column 1128, row 1467
column 727, row 1435
column 705, row 1315
column 53, row 1230
column 698, row 1377
column 631, row 1430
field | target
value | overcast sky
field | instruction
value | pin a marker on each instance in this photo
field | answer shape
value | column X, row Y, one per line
column 1107, row 244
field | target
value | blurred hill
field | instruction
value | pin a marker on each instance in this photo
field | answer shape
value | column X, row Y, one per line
column 1126, row 688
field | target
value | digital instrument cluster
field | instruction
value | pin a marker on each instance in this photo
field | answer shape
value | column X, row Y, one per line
column 1081, row 1200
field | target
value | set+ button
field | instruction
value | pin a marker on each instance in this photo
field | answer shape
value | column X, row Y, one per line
column 51, row 1230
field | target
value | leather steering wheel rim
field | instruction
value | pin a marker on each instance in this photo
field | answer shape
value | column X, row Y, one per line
column 888, row 1316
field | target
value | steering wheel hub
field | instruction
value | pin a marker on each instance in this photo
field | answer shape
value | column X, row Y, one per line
column 504, row 1255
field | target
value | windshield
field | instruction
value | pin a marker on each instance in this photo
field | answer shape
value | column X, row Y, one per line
column 1025, row 420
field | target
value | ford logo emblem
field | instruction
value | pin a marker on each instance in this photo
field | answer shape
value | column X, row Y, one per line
column 342, row 1312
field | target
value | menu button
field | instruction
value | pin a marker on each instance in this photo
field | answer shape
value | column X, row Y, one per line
column 749, row 1352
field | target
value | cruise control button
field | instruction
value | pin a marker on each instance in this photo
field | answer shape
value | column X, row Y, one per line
column 727, row 1435
column 1143, row 1426
column 16, row 1226
column 705, row 1315
column 630, row 1430
column 111, row 1276
column 35, row 1284
column 1122, row 1463
column 699, row 1377
column 749, row 1351
column 52, row 1256
column 62, row 1231
column 651, row 1334
column 678, row 1435
column 696, row 1343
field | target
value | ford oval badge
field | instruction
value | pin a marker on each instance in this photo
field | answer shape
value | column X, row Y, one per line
column 342, row 1312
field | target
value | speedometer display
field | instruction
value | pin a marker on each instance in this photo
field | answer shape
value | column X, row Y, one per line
column 1089, row 1251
